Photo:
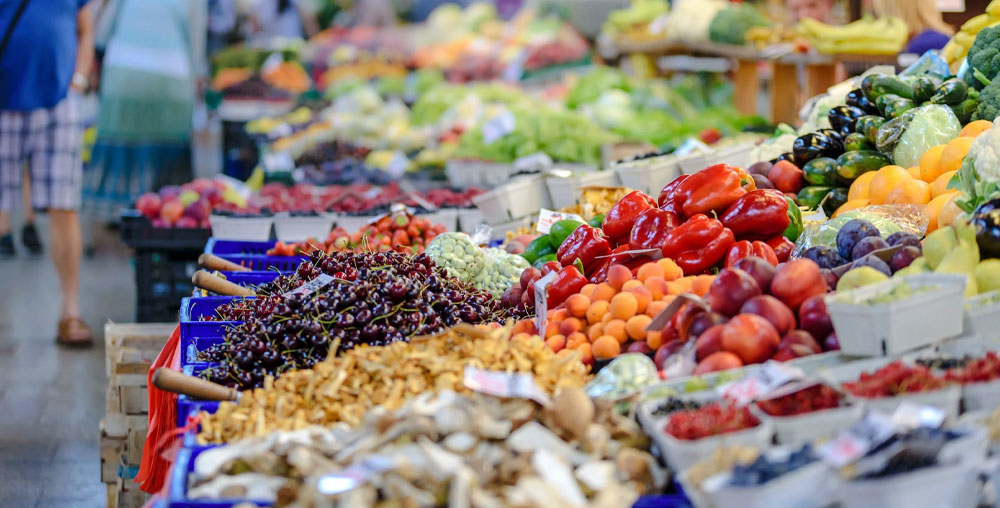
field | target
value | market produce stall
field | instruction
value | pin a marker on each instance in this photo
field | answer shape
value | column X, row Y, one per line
column 601, row 291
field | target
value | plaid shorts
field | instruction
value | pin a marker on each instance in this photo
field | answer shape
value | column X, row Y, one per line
column 49, row 141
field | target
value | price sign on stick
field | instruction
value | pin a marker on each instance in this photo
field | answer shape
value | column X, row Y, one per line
column 759, row 383
column 546, row 218
column 311, row 286
column 501, row 384
column 541, row 301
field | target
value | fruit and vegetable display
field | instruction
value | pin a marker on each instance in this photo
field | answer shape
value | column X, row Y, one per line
column 369, row 299
column 189, row 205
column 398, row 231
column 385, row 375
column 710, row 420
column 815, row 398
column 894, row 379
column 866, row 36
column 433, row 449
column 958, row 47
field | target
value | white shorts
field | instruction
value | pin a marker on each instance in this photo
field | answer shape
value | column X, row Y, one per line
column 48, row 141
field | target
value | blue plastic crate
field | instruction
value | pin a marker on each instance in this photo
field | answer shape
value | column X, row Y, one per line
column 252, row 255
column 191, row 346
column 186, row 405
column 177, row 493
column 246, row 279
column 230, row 247
column 195, row 308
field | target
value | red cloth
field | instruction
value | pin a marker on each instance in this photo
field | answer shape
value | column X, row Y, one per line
column 154, row 469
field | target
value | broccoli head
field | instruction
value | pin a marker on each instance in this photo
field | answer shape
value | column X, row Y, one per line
column 730, row 25
column 989, row 102
column 984, row 57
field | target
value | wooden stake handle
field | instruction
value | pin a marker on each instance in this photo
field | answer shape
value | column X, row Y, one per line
column 215, row 284
column 213, row 262
column 194, row 387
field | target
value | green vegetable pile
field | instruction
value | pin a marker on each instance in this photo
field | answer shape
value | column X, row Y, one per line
column 502, row 270
column 730, row 25
column 458, row 254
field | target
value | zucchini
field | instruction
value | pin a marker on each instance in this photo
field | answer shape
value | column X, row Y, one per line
column 855, row 141
column 953, row 91
column 834, row 200
column 820, row 171
column 892, row 105
column 924, row 87
column 853, row 164
column 877, row 85
column 964, row 110
column 811, row 196
column 868, row 126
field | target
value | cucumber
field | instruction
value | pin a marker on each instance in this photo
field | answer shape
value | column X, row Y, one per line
column 811, row 196
column 924, row 88
column 964, row 110
column 834, row 200
column 851, row 165
column 855, row 141
column 868, row 125
column 820, row 171
column 951, row 92
column 877, row 85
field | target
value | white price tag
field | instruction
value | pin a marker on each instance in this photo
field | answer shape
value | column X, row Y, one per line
column 278, row 161
column 498, row 127
column 311, row 286
column 515, row 69
column 281, row 130
column 501, row 384
column 372, row 193
column 853, row 443
column 909, row 416
column 541, row 301
column 768, row 378
column 397, row 165
column 546, row 218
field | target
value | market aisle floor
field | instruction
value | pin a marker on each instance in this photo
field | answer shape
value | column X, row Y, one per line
column 52, row 399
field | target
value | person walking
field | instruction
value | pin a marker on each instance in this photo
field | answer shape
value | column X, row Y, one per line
column 46, row 52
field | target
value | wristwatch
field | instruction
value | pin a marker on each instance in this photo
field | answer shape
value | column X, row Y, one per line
column 80, row 81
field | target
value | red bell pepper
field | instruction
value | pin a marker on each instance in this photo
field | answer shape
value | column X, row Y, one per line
column 585, row 243
column 711, row 189
column 668, row 194
column 551, row 266
column 758, row 214
column 745, row 249
column 599, row 272
column 619, row 220
column 568, row 282
column 651, row 228
column 698, row 244
column 619, row 256
column 782, row 247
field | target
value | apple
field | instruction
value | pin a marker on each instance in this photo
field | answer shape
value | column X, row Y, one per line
column 721, row 360
column 172, row 211
column 198, row 211
column 758, row 268
column 771, row 309
column 512, row 296
column 750, row 337
column 169, row 191
column 528, row 276
column 730, row 290
column 213, row 196
column 801, row 338
column 831, row 343
column 709, row 342
column 704, row 321
column 797, row 280
column 186, row 222
column 639, row 347
column 814, row 318
column 149, row 205
column 200, row 185
column 666, row 351
column 189, row 196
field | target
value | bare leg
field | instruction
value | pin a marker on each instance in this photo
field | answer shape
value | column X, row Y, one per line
column 29, row 211
column 66, row 245
column 4, row 222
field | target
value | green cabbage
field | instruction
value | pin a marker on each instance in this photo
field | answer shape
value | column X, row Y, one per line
column 932, row 125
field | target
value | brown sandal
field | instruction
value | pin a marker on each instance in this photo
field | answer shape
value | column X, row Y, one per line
column 74, row 332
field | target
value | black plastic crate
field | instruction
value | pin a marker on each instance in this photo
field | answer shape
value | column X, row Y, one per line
column 162, row 279
column 138, row 232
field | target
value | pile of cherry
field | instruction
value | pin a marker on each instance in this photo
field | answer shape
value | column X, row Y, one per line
column 373, row 298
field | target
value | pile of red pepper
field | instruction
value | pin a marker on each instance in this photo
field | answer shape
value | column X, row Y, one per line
column 709, row 219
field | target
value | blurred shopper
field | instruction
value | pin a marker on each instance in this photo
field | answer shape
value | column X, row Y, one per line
column 820, row 10
column 282, row 18
column 927, row 28
column 154, row 55
column 46, row 50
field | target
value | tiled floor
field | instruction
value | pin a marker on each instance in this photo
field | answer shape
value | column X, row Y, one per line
column 51, row 399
